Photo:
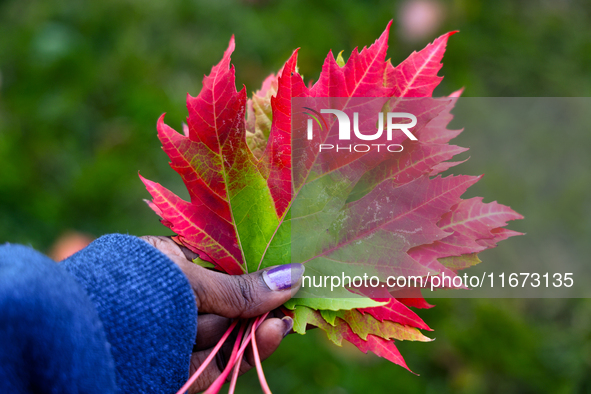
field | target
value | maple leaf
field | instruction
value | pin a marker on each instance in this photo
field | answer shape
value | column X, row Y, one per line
column 341, row 330
column 231, row 216
column 261, row 195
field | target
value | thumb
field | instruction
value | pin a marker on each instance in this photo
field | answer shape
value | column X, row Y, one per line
column 243, row 296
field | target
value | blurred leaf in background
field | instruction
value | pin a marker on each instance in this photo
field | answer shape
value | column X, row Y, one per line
column 82, row 84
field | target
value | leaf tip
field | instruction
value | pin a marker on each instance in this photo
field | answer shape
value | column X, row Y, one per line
column 389, row 25
column 231, row 45
column 160, row 120
column 457, row 93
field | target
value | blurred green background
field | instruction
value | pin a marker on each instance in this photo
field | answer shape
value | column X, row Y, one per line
column 82, row 84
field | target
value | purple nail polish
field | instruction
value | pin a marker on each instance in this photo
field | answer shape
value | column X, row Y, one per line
column 283, row 277
column 288, row 321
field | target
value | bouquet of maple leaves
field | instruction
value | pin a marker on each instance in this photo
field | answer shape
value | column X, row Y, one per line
column 235, row 158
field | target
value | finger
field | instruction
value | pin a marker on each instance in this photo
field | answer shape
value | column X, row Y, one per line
column 268, row 338
column 171, row 249
column 243, row 296
column 210, row 329
column 233, row 296
column 213, row 369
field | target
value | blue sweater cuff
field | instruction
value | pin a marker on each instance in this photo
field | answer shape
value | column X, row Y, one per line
column 147, row 308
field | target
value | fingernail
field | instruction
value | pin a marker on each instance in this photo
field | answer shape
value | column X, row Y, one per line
column 283, row 277
column 288, row 321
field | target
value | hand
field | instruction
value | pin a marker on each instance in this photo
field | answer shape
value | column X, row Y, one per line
column 222, row 297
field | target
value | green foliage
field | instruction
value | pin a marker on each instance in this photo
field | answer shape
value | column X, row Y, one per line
column 82, row 84
column 332, row 304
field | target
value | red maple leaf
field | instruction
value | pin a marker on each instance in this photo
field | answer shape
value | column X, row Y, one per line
column 250, row 179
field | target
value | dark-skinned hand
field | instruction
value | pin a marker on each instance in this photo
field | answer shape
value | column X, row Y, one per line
column 221, row 298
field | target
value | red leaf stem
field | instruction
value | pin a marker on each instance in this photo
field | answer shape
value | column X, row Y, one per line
column 257, row 359
column 204, row 365
column 245, row 340
column 216, row 386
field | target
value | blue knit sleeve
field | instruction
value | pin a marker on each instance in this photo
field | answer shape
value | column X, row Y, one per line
column 147, row 309
column 51, row 337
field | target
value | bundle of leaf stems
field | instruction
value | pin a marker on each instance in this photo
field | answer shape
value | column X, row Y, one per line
column 246, row 335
